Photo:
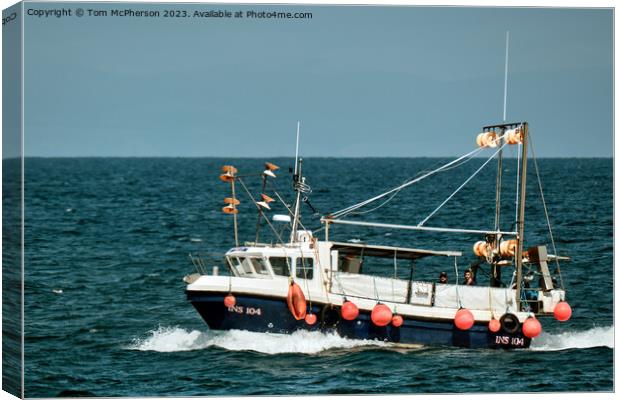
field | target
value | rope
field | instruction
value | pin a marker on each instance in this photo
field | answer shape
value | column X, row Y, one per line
column 542, row 196
column 326, row 283
column 491, row 302
column 456, row 275
column 303, row 187
column 395, row 275
column 303, row 267
column 517, row 185
column 512, row 280
column 462, row 185
column 337, row 276
column 349, row 209
column 374, row 282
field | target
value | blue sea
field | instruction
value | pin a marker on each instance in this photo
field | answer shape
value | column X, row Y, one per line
column 107, row 243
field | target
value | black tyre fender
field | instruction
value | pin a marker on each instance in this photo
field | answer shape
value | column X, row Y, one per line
column 510, row 323
column 330, row 316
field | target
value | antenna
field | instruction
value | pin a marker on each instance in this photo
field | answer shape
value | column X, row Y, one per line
column 506, row 73
column 296, row 181
column 495, row 269
column 297, row 148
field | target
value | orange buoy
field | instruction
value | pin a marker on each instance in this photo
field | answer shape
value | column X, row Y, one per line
column 230, row 200
column 229, row 169
column 531, row 327
column 296, row 301
column 481, row 248
column 464, row 319
column 310, row 319
column 518, row 135
column 349, row 311
column 562, row 311
column 230, row 210
column 381, row 315
column 514, row 136
column 487, row 139
column 397, row 320
column 230, row 301
column 491, row 139
column 494, row 325
column 508, row 248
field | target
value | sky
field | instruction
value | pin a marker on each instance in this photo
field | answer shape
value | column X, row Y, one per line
column 365, row 81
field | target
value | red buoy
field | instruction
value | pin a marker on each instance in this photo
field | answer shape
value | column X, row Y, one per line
column 397, row 320
column 349, row 311
column 494, row 325
column 464, row 319
column 381, row 315
column 531, row 327
column 562, row 311
column 310, row 319
column 296, row 301
column 230, row 301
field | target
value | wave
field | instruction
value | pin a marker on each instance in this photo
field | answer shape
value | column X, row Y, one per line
column 171, row 339
column 595, row 337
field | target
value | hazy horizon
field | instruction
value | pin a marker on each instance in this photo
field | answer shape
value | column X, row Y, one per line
column 266, row 158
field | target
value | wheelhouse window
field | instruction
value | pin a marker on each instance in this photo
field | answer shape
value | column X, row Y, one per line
column 248, row 266
column 260, row 266
column 304, row 268
column 280, row 265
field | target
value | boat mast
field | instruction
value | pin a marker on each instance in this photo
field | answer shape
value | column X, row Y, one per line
column 296, row 180
column 521, row 217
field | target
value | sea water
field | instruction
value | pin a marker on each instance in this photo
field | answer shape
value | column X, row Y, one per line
column 107, row 243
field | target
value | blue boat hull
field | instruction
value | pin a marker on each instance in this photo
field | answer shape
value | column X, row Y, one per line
column 268, row 314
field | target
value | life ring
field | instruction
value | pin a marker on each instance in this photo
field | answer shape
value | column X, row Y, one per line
column 296, row 301
column 509, row 323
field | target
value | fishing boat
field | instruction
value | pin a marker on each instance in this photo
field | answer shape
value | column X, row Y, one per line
column 306, row 280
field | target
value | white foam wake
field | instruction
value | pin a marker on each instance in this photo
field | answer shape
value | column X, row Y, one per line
column 596, row 337
column 169, row 339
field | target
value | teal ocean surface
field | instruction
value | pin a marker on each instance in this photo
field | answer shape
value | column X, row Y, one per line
column 107, row 243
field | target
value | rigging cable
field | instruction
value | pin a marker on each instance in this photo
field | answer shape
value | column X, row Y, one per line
column 462, row 185
column 517, row 185
column 354, row 207
column 266, row 219
column 542, row 196
column 303, row 267
column 491, row 303
column 456, row 278
column 406, row 180
column 395, row 277
column 285, row 206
